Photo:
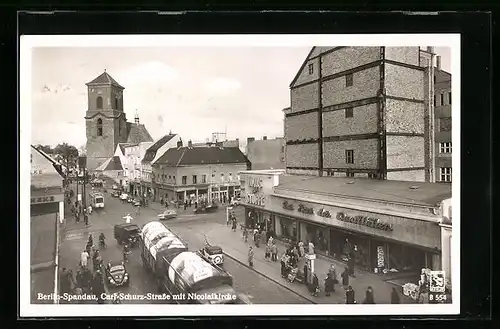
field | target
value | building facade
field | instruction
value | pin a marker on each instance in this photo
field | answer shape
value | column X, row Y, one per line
column 153, row 153
column 266, row 153
column 134, row 153
column 388, row 224
column 46, row 214
column 442, row 102
column 199, row 173
column 106, row 123
column 361, row 112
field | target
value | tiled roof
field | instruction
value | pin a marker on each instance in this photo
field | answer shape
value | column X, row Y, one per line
column 104, row 79
column 137, row 133
column 151, row 151
column 114, row 164
column 122, row 147
column 416, row 193
column 57, row 165
column 202, row 155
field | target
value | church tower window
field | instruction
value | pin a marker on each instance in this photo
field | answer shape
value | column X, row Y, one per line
column 116, row 103
column 99, row 127
column 99, row 102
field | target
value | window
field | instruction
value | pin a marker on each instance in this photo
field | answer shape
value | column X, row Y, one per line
column 449, row 98
column 99, row 127
column 349, row 112
column 435, row 101
column 434, row 79
column 349, row 174
column 169, row 177
column 116, row 102
column 203, row 179
column 184, row 180
column 222, row 176
column 99, row 102
column 442, row 99
column 311, row 68
column 445, row 174
column 445, row 124
column 173, row 179
column 195, row 179
column 445, row 147
column 349, row 156
column 213, row 175
column 348, row 80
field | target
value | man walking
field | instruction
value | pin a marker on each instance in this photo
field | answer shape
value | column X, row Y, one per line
column 250, row 256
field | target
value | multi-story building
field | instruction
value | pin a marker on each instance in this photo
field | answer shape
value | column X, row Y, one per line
column 47, row 213
column 134, row 153
column 362, row 112
column 153, row 153
column 442, row 119
column 266, row 153
column 199, row 173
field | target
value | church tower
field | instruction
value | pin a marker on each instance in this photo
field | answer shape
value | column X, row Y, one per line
column 106, row 124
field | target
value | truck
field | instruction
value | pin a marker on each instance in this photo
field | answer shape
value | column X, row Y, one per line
column 182, row 274
column 96, row 200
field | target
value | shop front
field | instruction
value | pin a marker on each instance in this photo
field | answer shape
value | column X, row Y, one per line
column 377, row 241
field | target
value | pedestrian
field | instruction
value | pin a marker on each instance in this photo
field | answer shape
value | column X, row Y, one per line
column 283, row 267
column 161, row 201
column 190, row 202
column 257, row 239
column 296, row 253
column 86, row 219
column 250, row 256
column 267, row 254
column 345, row 278
column 65, row 285
column 350, row 296
column 84, row 258
column 89, row 210
column 234, row 225
column 350, row 265
column 301, row 249
column 329, row 287
column 395, row 296
column 274, row 252
column 306, row 270
column 315, row 286
column 245, row 234
column 137, row 210
column 270, row 240
column 185, row 204
column 369, row 299
column 310, row 248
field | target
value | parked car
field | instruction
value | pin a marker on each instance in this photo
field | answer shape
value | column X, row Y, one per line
column 117, row 274
column 115, row 194
column 127, row 232
column 137, row 203
column 167, row 214
column 124, row 196
column 130, row 199
column 213, row 255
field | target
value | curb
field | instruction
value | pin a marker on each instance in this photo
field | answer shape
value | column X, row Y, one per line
column 269, row 278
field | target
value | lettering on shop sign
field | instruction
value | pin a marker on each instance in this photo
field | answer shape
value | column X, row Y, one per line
column 324, row 213
column 256, row 199
column 287, row 206
column 255, row 182
column 365, row 221
column 305, row 210
column 43, row 199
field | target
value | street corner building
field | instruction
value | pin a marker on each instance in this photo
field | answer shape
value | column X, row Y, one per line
column 106, row 123
column 395, row 227
column 368, row 112
column 208, row 173
column 46, row 215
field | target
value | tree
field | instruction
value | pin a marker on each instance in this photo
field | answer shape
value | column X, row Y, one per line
column 68, row 154
column 45, row 148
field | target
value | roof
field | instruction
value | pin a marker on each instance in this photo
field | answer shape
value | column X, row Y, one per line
column 57, row 165
column 113, row 163
column 184, row 156
column 151, row 151
column 104, row 79
column 301, row 67
column 137, row 133
column 122, row 147
column 437, row 71
column 415, row 193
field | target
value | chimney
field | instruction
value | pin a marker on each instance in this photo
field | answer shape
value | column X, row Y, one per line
column 430, row 49
column 264, row 138
column 190, row 144
column 250, row 139
column 438, row 62
column 179, row 143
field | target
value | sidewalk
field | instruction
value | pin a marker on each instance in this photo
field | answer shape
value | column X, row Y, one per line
column 234, row 247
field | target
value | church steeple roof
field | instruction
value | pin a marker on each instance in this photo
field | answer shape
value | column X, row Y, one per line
column 104, row 79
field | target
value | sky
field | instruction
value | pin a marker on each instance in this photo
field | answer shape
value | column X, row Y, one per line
column 191, row 91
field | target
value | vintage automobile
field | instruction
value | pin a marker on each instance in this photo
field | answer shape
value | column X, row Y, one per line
column 124, row 196
column 206, row 209
column 115, row 194
column 167, row 214
column 213, row 255
column 127, row 232
column 116, row 274
column 137, row 203
column 130, row 199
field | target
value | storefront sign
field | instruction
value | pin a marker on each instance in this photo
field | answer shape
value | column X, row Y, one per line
column 287, row 206
column 365, row 221
column 255, row 182
column 324, row 213
column 256, row 199
column 43, row 199
column 305, row 210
